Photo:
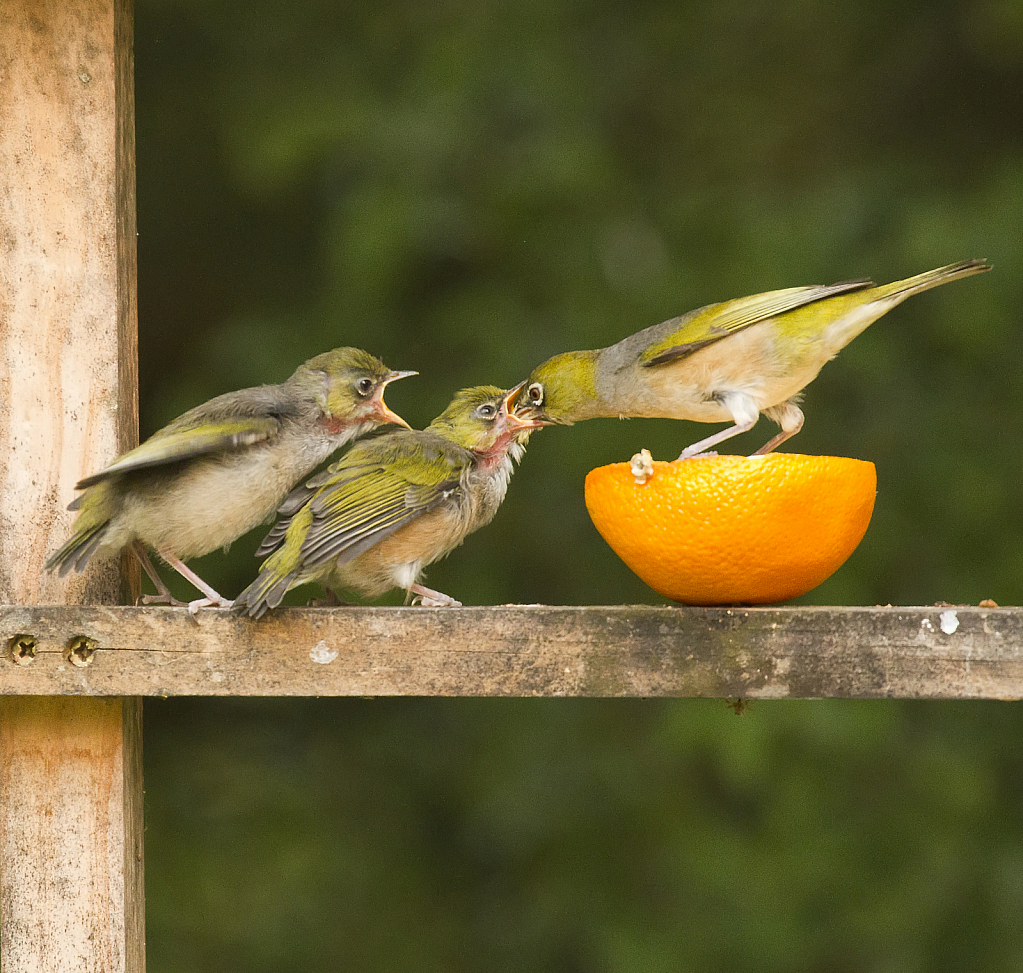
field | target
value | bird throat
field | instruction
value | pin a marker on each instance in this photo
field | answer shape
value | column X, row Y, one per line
column 336, row 426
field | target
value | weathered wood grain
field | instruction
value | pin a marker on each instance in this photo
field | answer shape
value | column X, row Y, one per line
column 71, row 891
column 67, row 278
column 64, row 897
column 522, row 651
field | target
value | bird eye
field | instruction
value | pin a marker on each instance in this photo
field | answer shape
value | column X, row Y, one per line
column 364, row 386
column 535, row 393
column 487, row 411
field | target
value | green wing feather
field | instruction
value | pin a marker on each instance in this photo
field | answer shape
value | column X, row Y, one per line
column 377, row 487
column 291, row 505
column 78, row 549
column 357, row 511
column 176, row 445
column 717, row 321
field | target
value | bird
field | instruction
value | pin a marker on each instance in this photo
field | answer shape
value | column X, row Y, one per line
column 725, row 362
column 223, row 467
column 393, row 504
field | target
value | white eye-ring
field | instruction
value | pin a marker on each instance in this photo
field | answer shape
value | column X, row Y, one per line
column 535, row 393
column 487, row 411
column 364, row 386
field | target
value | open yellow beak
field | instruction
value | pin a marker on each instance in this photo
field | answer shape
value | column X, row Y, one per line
column 382, row 411
column 521, row 419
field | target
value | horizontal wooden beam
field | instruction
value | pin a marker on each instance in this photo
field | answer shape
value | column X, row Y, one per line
column 940, row 652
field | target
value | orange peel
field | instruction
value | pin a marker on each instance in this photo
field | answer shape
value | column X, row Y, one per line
column 722, row 530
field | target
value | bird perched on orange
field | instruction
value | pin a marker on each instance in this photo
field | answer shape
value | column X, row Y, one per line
column 725, row 362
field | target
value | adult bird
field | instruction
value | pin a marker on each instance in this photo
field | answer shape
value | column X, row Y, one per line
column 394, row 504
column 223, row 467
column 726, row 362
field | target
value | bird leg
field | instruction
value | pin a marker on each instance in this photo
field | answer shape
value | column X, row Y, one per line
column 790, row 417
column 744, row 412
column 774, row 443
column 163, row 595
column 700, row 448
column 329, row 600
column 429, row 598
column 212, row 600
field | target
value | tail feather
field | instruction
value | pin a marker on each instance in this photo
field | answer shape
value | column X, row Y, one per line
column 932, row 278
column 274, row 538
column 77, row 552
column 267, row 591
column 97, row 507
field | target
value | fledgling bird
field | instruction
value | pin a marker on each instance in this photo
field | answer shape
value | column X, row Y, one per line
column 223, row 467
column 394, row 504
column 724, row 362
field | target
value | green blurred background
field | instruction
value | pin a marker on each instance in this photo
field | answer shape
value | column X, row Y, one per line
column 466, row 189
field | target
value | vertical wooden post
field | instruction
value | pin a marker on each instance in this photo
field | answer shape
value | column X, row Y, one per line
column 71, row 893
column 71, row 835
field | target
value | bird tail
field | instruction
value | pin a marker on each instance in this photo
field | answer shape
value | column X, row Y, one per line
column 268, row 590
column 902, row 289
column 77, row 551
column 89, row 532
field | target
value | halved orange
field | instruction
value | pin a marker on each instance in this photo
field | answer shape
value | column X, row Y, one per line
column 723, row 530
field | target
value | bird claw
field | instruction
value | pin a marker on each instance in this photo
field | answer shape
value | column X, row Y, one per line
column 194, row 606
column 162, row 600
column 330, row 601
column 429, row 598
column 426, row 601
column 685, row 454
column 642, row 466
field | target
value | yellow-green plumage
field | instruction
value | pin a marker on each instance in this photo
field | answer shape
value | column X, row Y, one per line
column 391, row 505
column 222, row 468
column 724, row 362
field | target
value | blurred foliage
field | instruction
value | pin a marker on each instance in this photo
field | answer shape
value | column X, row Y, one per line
column 466, row 189
column 564, row 835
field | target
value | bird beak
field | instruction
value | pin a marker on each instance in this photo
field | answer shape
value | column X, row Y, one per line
column 523, row 418
column 526, row 409
column 381, row 410
column 394, row 376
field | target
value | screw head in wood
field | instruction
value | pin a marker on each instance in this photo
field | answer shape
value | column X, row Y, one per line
column 80, row 650
column 21, row 649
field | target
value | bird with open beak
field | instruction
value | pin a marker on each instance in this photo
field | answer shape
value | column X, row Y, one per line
column 396, row 503
column 223, row 467
column 726, row 362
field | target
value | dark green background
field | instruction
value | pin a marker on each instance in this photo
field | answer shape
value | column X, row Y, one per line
column 466, row 189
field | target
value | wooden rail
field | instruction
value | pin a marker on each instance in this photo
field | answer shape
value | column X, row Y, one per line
column 938, row 652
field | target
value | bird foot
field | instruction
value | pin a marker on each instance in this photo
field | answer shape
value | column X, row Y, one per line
column 642, row 466
column 330, row 600
column 685, row 454
column 429, row 598
column 192, row 606
column 218, row 602
column 163, row 599
column 427, row 602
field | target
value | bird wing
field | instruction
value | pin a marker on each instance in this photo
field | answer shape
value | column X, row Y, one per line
column 301, row 494
column 717, row 321
column 364, row 503
column 176, row 445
